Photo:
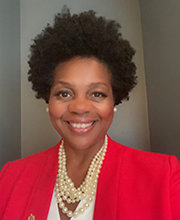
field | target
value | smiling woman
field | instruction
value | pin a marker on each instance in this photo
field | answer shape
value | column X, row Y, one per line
column 82, row 67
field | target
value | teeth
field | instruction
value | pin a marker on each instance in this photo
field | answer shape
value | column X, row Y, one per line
column 81, row 125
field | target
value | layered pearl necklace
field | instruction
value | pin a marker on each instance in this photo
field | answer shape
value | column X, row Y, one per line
column 65, row 189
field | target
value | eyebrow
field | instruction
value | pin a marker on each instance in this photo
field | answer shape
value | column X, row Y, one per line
column 94, row 84
column 62, row 82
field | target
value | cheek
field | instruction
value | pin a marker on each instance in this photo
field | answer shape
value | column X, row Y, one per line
column 107, row 112
column 55, row 110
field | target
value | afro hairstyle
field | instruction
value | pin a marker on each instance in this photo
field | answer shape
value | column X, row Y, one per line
column 81, row 35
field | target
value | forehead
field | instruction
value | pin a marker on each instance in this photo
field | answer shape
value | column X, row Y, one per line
column 82, row 71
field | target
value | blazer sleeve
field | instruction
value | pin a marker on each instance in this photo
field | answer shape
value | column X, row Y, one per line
column 175, row 187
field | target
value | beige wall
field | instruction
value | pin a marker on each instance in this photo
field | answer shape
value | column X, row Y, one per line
column 130, row 125
column 10, row 114
column 161, row 33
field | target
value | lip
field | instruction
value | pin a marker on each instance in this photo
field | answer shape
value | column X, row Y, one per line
column 80, row 126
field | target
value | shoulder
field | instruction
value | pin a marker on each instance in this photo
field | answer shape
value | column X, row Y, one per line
column 32, row 163
column 153, row 178
column 20, row 178
column 143, row 160
column 146, row 167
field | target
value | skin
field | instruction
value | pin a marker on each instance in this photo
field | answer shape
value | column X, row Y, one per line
column 81, row 96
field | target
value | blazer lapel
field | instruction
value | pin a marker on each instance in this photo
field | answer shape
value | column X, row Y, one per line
column 39, row 203
column 107, row 189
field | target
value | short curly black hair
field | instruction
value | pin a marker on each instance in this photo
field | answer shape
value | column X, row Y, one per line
column 81, row 35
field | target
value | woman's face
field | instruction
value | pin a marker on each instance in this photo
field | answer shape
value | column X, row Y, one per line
column 81, row 102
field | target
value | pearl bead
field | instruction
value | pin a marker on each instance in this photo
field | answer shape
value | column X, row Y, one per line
column 81, row 210
column 67, row 193
column 64, row 210
column 90, row 199
column 75, row 214
column 61, row 205
column 69, row 201
column 64, row 197
column 69, row 213
column 71, row 184
column 86, row 205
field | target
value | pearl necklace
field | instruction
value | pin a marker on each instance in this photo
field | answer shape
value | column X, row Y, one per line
column 65, row 189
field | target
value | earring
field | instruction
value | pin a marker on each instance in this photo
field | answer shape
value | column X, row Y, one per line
column 47, row 109
column 115, row 109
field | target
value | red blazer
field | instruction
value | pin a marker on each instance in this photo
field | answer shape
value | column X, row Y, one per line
column 133, row 185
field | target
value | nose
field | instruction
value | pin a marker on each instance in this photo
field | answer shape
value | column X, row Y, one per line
column 79, row 105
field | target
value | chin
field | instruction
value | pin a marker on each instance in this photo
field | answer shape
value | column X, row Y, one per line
column 83, row 142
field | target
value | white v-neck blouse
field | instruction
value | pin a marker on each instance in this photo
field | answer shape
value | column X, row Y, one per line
column 54, row 212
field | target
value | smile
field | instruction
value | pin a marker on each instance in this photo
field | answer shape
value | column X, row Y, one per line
column 81, row 125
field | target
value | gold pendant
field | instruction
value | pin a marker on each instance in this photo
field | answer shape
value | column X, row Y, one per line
column 31, row 217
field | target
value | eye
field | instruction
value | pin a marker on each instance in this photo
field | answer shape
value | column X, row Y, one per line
column 64, row 95
column 98, row 94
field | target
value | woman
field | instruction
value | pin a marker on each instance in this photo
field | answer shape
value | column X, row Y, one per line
column 82, row 67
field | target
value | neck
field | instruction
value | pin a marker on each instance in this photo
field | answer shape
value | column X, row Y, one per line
column 78, row 160
column 81, row 155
